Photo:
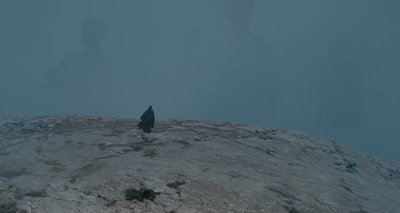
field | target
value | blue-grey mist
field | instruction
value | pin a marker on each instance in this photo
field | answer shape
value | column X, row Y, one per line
column 327, row 68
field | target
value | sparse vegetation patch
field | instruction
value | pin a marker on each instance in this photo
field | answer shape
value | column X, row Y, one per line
column 149, row 153
column 140, row 194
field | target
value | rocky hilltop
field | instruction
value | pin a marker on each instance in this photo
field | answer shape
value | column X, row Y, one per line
column 95, row 164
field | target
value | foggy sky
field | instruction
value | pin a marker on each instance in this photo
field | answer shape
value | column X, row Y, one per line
column 327, row 68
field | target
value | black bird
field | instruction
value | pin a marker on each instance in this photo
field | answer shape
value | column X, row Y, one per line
column 147, row 120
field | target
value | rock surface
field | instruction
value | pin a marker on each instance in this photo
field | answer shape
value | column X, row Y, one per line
column 93, row 164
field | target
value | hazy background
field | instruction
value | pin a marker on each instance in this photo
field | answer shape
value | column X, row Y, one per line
column 327, row 68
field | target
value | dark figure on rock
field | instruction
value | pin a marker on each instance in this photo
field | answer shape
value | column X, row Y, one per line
column 147, row 120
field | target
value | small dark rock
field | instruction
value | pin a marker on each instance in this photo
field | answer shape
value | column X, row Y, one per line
column 73, row 178
column 352, row 167
column 136, row 148
column 111, row 202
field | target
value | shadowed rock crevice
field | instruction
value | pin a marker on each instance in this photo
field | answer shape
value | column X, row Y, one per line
column 13, row 173
column 177, row 186
column 286, row 195
column 38, row 193
column 10, row 208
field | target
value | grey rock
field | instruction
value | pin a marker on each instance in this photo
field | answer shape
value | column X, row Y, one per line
column 84, row 164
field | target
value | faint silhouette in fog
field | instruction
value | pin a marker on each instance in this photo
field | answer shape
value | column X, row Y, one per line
column 188, row 81
column 247, row 71
column 340, row 103
column 84, row 81
column 20, row 85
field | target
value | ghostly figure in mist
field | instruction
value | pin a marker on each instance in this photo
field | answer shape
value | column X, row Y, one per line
column 20, row 85
column 340, row 104
column 84, row 82
column 188, row 82
column 193, row 79
column 247, row 71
